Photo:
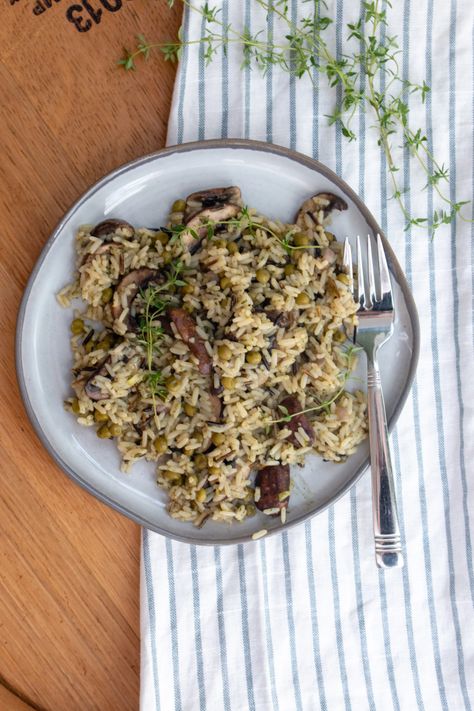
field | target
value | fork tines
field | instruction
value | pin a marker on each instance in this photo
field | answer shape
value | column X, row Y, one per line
column 380, row 298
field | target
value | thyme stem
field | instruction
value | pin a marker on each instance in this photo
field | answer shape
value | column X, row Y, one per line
column 307, row 50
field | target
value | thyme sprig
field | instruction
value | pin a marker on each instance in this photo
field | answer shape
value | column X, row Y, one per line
column 305, row 51
column 245, row 222
column 156, row 299
column 345, row 375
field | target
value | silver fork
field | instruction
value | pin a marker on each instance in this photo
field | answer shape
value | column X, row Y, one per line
column 376, row 315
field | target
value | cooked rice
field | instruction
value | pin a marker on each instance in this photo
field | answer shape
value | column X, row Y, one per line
column 306, row 357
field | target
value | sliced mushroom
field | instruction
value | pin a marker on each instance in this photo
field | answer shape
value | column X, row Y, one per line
column 84, row 384
column 137, row 279
column 213, row 205
column 307, row 215
column 283, row 319
column 215, row 406
column 90, row 256
column 186, row 328
column 274, row 483
column 94, row 391
column 293, row 405
column 214, row 197
column 107, row 227
column 197, row 225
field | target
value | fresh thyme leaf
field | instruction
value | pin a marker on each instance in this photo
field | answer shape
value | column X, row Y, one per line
column 156, row 299
column 127, row 61
column 156, row 384
column 349, row 351
column 304, row 49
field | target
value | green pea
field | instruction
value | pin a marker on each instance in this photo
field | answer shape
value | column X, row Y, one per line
column 172, row 384
column 105, row 343
column 253, row 357
column 301, row 240
column 303, row 299
column 104, row 432
column 77, row 326
column 227, row 382
column 200, row 460
column 107, row 295
column 339, row 337
column 200, row 496
column 224, row 352
column 343, row 278
column 170, row 475
column 190, row 410
column 160, row 445
column 262, row 276
column 178, row 206
column 218, row 438
column 162, row 238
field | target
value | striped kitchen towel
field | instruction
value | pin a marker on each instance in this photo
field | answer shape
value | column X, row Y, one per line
column 304, row 620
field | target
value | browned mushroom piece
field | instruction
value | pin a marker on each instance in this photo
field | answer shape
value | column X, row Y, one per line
column 103, row 249
column 282, row 319
column 186, row 328
column 307, row 216
column 274, row 485
column 214, row 205
column 107, row 227
column 87, row 385
column 213, row 197
column 215, row 406
column 292, row 406
column 130, row 285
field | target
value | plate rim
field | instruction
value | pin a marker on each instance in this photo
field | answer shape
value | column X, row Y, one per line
column 231, row 143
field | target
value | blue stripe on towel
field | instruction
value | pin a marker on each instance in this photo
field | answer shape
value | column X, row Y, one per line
column 291, row 622
column 173, row 625
column 197, row 629
column 314, row 617
column 221, row 628
column 245, row 628
column 150, row 595
column 268, row 626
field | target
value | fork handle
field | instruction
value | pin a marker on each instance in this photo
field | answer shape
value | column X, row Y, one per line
column 388, row 550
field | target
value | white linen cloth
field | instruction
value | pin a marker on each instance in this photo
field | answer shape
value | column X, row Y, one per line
column 304, row 620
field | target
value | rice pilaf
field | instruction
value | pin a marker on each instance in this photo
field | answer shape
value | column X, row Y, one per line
column 216, row 348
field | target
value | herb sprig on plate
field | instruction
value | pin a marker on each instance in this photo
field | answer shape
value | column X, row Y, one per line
column 245, row 222
column 349, row 353
column 305, row 51
column 156, row 299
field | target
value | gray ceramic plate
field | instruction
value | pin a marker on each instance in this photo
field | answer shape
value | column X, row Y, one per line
column 275, row 181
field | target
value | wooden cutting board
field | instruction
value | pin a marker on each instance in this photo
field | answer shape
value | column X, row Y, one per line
column 69, row 573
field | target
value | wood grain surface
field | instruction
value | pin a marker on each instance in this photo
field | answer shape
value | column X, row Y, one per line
column 69, row 570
